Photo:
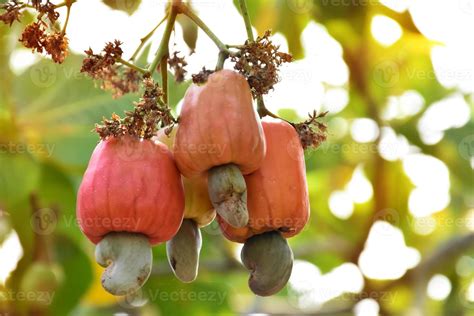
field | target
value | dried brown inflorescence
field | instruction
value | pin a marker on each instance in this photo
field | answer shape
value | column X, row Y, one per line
column 119, row 81
column 149, row 114
column 312, row 132
column 201, row 77
column 48, row 9
column 56, row 45
column 103, row 67
column 12, row 12
column 112, row 127
column 177, row 64
column 94, row 64
column 35, row 35
column 258, row 61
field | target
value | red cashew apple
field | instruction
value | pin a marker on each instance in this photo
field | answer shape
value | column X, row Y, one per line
column 220, row 136
column 131, row 197
column 278, row 208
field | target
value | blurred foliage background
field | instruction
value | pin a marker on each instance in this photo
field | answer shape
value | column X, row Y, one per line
column 392, row 204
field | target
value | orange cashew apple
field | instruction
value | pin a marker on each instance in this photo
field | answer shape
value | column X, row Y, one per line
column 278, row 208
column 220, row 136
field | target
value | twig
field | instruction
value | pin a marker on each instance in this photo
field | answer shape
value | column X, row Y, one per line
column 221, row 60
column 261, row 108
column 248, row 24
column 144, row 39
column 68, row 13
column 263, row 111
column 200, row 23
column 130, row 65
column 66, row 3
column 164, row 78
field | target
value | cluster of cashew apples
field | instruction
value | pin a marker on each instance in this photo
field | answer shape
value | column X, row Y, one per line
column 221, row 158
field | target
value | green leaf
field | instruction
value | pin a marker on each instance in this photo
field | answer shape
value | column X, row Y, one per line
column 77, row 272
column 190, row 31
column 128, row 6
column 280, row 16
column 73, row 151
column 176, row 90
column 19, row 173
column 20, row 215
column 205, row 296
column 291, row 24
column 61, row 108
column 56, row 189
column 142, row 57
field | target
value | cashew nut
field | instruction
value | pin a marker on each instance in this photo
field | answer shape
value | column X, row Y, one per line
column 270, row 261
column 183, row 251
column 127, row 258
column 228, row 194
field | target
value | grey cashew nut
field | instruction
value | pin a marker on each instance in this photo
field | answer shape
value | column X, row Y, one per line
column 183, row 251
column 228, row 194
column 127, row 258
column 270, row 261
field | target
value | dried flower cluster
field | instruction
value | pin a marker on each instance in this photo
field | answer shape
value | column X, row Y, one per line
column 312, row 132
column 94, row 64
column 35, row 35
column 103, row 67
column 48, row 9
column 56, row 45
column 148, row 115
column 201, row 77
column 177, row 64
column 12, row 12
column 259, row 61
column 112, row 127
